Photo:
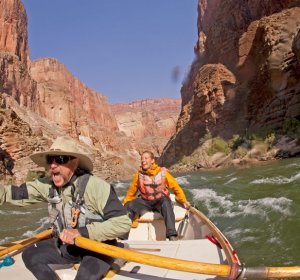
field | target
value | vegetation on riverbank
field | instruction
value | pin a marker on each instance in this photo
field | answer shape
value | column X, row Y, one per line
column 262, row 145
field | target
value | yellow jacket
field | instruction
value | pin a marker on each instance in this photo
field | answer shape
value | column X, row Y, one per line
column 170, row 184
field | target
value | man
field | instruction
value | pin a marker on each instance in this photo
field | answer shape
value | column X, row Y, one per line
column 154, row 182
column 79, row 203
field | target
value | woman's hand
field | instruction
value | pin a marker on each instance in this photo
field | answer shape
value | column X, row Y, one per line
column 186, row 205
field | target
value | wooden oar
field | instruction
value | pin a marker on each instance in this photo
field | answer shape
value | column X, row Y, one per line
column 188, row 266
column 42, row 235
column 166, row 262
column 154, row 260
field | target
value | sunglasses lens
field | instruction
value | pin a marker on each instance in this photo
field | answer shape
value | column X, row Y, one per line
column 59, row 159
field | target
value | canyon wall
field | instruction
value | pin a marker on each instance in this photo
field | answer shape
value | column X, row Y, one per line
column 15, row 77
column 246, row 73
column 40, row 100
column 246, row 77
column 74, row 107
column 149, row 123
column 18, row 139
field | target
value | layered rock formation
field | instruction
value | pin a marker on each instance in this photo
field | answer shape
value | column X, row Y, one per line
column 21, row 133
column 118, row 131
column 245, row 77
column 74, row 107
column 246, row 73
column 34, row 113
column 149, row 123
column 41, row 100
column 17, row 90
column 14, row 54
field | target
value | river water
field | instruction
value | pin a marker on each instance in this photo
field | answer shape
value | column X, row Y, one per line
column 257, row 208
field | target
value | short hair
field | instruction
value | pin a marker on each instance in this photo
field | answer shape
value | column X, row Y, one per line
column 149, row 153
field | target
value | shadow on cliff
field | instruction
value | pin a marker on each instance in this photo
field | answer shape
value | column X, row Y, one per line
column 266, row 82
column 6, row 163
column 271, row 74
column 180, row 145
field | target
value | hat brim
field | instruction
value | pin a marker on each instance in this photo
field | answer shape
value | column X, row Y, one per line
column 84, row 161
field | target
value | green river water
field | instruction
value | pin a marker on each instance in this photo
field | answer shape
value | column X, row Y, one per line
column 257, row 208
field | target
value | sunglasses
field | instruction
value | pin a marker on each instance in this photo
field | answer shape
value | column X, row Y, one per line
column 58, row 159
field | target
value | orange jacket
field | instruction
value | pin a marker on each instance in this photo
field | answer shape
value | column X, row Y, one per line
column 170, row 183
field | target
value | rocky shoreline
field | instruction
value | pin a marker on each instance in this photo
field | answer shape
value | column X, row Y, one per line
column 200, row 160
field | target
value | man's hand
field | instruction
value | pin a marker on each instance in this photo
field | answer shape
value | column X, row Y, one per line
column 68, row 235
column 186, row 205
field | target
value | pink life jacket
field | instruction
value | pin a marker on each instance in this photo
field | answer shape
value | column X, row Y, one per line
column 153, row 187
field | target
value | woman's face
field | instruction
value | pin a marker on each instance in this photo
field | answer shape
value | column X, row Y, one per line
column 146, row 161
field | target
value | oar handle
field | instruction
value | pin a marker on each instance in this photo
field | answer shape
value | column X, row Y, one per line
column 270, row 272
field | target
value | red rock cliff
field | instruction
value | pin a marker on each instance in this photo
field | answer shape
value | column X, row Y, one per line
column 14, row 54
column 148, row 117
column 65, row 104
column 69, row 103
column 148, row 123
column 246, row 73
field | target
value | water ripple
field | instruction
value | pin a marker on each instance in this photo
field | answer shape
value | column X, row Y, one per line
column 183, row 180
column 218, row 205
column 279, row 180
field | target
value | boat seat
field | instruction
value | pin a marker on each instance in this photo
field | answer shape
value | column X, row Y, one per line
column 151, row 225
column 147, row 217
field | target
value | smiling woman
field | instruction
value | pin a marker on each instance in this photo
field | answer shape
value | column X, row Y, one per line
column 127, row 50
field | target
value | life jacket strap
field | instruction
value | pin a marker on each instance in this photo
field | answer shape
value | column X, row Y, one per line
column 78, row 198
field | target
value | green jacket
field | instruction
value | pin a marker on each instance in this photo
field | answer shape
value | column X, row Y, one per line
column 99, row 198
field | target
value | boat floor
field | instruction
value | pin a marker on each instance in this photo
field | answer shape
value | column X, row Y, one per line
column 201, row 250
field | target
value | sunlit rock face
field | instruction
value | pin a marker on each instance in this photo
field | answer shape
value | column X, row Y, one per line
column 22, row 132
column 245, row 76
column 85, row 115
column 149, row 123
column 65, row 100
column 18, row 138
column 41, row 100
column 14, row 54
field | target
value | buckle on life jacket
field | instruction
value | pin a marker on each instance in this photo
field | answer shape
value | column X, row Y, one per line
column 74, row 217
column 75, row 211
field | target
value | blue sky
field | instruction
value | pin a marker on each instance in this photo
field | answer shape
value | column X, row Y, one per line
column 124, row 49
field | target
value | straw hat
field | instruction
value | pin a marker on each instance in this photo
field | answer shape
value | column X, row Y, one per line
column 64, row 145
